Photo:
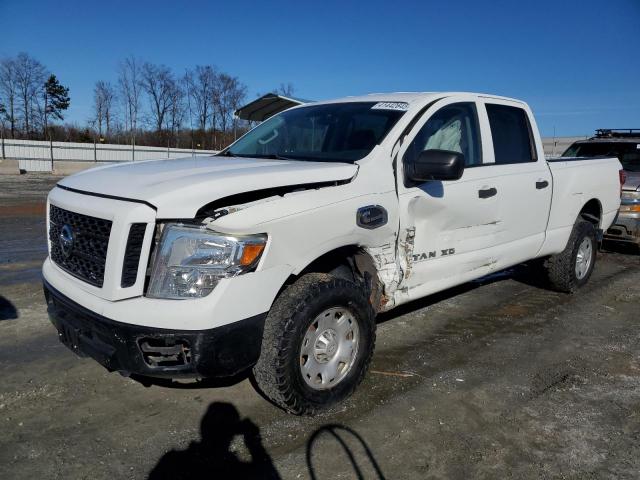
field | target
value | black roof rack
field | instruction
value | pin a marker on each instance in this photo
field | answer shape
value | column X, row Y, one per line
column 617, row 132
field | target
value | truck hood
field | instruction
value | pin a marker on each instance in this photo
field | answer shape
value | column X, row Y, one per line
column 178, row 188
column 633, row 181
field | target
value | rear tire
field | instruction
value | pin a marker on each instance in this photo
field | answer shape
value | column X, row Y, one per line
column 301, row 368
column 570, row 269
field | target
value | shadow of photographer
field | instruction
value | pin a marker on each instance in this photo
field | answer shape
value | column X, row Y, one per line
column 212, row 457
column 8, row 310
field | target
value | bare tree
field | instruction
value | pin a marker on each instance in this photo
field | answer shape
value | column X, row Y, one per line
column 237, row 99
column 160, row 85
column 30, row 76
column 9, row 91
column 201, row 85
column 208, row 96
column 103, row 101
column 232, row 94
column 130, row 92
column 175, row 116
column 285, row 89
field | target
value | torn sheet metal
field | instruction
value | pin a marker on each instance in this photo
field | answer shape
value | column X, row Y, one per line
column 389, row 272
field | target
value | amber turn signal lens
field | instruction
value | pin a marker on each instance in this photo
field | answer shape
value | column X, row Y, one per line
column 250, row 253
column 630, row 208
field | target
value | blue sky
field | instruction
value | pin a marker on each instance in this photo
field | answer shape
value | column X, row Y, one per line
column 575, row 62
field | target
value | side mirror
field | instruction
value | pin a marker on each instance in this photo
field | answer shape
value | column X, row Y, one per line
column 435, row 165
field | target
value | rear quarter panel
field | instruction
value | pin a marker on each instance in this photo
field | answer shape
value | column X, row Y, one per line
column 575, row 182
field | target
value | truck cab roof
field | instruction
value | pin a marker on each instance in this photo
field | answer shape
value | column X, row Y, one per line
column 411, row 97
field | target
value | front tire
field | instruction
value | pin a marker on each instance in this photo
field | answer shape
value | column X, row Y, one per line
column 317, row 344
column 571, row 269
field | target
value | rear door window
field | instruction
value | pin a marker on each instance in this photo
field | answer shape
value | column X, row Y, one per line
column 511, row 133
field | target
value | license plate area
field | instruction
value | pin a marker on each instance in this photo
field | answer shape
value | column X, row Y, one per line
column 79, row 335
column 70, row 337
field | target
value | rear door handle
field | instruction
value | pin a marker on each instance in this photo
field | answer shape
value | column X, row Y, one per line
column 487, row 192
column 540, row 184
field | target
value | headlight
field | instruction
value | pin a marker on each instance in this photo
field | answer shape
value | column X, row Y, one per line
column 190, row 261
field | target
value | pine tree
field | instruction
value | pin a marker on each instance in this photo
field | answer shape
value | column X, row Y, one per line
column 56, row 100
column 3, row 118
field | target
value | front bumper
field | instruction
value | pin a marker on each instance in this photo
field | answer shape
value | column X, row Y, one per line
column 625, row 228
column 155, row 352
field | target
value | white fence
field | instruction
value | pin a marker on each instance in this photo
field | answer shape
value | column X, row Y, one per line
column 554, row 147
column 40, row 156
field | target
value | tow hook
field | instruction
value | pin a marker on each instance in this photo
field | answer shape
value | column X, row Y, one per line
column 165, row 353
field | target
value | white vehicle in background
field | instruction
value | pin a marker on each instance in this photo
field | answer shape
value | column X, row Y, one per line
column 278, row 253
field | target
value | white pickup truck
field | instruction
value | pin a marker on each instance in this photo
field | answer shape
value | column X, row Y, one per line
column 278, row 253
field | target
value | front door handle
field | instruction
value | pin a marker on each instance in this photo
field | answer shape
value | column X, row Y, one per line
column 487, row 192
column 540, row 184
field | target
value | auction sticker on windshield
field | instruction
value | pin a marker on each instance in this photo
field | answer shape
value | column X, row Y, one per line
column 401, row 106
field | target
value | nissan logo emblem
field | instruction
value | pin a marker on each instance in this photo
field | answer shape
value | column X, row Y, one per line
column 66, row 239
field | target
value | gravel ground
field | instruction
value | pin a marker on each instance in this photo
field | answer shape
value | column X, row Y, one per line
column 498, row 378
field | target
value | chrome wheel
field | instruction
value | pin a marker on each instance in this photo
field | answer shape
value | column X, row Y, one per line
column 583, row 258
column 329, row 348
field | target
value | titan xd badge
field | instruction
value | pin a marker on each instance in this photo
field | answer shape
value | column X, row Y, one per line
column 419, row 257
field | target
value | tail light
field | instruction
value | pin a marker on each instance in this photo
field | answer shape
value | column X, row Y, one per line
column 623, row 179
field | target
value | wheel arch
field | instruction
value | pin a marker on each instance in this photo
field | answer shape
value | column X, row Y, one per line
column 350, row 262
column 592, row 212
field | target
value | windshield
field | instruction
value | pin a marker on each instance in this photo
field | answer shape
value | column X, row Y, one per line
column 628, row 153
column 337, row 132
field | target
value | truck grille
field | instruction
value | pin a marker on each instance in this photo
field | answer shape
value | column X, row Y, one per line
column 79, row 244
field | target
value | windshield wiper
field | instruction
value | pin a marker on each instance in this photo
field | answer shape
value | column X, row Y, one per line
column 277, row 156
column 269, row 156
